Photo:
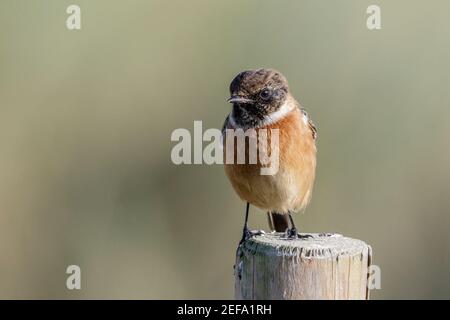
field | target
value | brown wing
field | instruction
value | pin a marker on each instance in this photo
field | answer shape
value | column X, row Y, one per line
column 313, row 128
column 311, row 124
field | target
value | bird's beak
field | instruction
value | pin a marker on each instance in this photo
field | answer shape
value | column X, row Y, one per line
column 238, row 99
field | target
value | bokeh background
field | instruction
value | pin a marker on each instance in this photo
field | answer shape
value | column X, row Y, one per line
column 86, row 117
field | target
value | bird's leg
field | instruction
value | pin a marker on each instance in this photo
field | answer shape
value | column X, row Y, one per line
column 293, row 233
column 245, row 232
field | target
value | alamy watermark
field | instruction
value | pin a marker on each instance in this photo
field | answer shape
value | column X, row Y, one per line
column 73, row 281
column 73, row 21
column 373, row 21
column 251, row 146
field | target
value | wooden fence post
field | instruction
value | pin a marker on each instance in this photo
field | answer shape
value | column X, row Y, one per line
column 325, row 266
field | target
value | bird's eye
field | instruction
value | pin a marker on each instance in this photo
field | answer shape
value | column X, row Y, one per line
column 265, row 94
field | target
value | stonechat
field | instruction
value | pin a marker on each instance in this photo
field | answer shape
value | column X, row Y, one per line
column 261, row 100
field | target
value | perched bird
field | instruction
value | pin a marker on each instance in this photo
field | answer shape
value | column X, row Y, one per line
column 261, row 100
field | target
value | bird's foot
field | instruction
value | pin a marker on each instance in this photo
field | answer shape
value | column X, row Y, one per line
column 292, row 233
column 247, row 234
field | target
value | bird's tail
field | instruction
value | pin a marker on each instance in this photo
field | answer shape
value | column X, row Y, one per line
column 278, row 222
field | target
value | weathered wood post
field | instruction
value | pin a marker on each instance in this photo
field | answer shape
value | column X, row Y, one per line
column 324, row 266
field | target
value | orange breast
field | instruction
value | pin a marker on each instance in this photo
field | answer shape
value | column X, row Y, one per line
column 290, row 188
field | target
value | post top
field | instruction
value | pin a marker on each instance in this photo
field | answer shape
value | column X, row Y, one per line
column 318, row 245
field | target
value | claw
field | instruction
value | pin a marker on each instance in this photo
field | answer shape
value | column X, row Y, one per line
column 293, row 234
column 247, row 234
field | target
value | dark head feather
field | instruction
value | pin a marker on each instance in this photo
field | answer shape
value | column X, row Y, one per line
column 256, row 94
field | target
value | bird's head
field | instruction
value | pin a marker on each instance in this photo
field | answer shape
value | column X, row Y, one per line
column 256, row 94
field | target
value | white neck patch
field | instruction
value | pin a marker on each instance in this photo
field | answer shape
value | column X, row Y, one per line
column 270, row 118
column 279, row 114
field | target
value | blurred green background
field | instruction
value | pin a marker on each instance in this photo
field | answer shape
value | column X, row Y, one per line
column 86, row 117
